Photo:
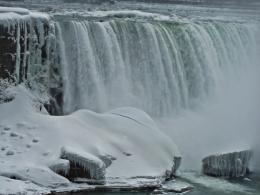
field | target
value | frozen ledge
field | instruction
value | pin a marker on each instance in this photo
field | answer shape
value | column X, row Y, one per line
column 16, row 10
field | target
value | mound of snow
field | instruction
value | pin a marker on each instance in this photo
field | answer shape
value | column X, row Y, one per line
column 12, row 15
column 17, row 10
column 129, row 136
column 11, row 186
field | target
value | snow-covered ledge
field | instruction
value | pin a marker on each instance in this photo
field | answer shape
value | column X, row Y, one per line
column 124, row 143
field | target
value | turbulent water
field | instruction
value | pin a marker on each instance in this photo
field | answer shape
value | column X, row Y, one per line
column 158, row 66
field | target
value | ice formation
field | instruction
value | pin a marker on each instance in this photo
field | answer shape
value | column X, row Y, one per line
column 93, row 166
column 60, row 166
column 230, row 165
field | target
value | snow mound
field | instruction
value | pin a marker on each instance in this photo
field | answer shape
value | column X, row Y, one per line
column 41, row 176
column 11, row 186
column 17, row 10
column 10, row 16
column 125, row 140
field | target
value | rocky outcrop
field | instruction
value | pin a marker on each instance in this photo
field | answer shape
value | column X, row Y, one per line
column 229, row 165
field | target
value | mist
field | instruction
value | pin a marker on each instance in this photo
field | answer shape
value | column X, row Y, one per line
column 228, row 122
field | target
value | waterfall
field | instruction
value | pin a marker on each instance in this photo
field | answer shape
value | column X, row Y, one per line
column 158, row 66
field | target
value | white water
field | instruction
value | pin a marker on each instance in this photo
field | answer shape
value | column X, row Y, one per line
column 160, row 67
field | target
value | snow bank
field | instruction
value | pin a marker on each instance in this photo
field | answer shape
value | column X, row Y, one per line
column 11, row 186
column 10, row 16
column 17, row 10
column 129, row 137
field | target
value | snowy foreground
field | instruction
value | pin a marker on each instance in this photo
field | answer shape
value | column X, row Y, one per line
column 121, row 145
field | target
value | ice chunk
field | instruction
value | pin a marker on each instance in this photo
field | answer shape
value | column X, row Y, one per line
column 60, row 166
column 231, row 165
column 176, row 186
column 94, row 167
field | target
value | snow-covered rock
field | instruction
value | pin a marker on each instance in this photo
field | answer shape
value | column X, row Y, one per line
column 128, row 137
column 60, row 166
column 230, row 165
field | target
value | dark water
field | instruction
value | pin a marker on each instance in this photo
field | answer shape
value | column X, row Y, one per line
column 249, row 186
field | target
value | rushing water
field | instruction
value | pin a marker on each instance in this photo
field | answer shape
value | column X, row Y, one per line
column 158, row 66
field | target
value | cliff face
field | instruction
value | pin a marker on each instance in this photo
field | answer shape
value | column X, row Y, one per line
column 7, row 53
column 27, row 52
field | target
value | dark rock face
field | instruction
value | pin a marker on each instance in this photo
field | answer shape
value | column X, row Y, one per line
column 28, row 54
column 230, row 165
column 7, row 52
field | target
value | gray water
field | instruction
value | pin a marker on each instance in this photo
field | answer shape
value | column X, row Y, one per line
column 207, row 187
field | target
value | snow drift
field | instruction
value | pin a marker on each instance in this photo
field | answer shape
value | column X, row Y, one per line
column 35, row 139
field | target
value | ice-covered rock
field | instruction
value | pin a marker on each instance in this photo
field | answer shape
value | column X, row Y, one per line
column 60, row 166
column 176, row 186
column 230, row 165
column 83, row 164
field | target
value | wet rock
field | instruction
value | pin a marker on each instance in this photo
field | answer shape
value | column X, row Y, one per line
column 229, row 165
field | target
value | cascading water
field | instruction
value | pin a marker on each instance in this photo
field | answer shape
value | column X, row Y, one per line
column 158, row 66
